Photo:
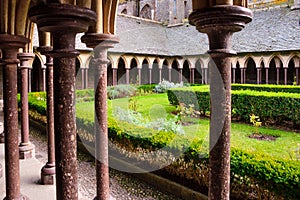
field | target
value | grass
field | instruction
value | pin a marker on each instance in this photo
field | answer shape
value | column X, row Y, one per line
column 157, row 105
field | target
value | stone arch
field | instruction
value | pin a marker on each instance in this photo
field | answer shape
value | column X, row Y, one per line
column 165, row 71
column 186, row 75
column 124, row 11
column 121, row 73
column 79, row 79
column 175, row 75
column 274, row 56
column 238, row 72
column 276, row 71
column 133, row 74
column 145, row 71
column 198, row 71
column 295, row 58
column 109, row 72
column 91, row 73
column 155, row 72
column 146, row 12
column 251, row 72
column 37, row 74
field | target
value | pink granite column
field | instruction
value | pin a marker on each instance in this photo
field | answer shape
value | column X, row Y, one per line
column 101, row 43
column 10, row 45
column 64, row 21
column 219, row 23
column 48, row 170
column 26, row 149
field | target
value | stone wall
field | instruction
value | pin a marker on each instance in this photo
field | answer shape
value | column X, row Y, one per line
column 166, row 11
column 268, row 3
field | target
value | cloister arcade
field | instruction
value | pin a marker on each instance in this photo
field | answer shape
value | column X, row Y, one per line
column 256, row 68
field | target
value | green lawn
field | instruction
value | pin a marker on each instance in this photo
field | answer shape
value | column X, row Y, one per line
column 157, row 106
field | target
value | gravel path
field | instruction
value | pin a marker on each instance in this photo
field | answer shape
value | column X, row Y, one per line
column 122, row 185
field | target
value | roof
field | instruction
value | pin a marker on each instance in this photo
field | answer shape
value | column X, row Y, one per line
column 275, row 29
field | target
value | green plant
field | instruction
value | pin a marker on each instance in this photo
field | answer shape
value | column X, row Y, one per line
column 133, row 104
column 164, row 85
column 184, row 112
column 256, row 122
column 267, row 88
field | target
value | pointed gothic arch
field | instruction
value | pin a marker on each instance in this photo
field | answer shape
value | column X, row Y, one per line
column 146, row 12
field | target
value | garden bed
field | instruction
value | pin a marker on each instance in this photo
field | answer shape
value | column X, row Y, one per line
column 253, row 172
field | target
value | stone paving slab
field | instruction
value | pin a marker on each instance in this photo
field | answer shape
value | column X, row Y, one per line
column 30, row 176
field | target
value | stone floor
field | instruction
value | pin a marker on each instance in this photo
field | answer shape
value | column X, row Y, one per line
column 30, row 176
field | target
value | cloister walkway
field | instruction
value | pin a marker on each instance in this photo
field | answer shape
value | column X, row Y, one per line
column 123, row 187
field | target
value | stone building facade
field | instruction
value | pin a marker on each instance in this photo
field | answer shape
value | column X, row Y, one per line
column 166, row 11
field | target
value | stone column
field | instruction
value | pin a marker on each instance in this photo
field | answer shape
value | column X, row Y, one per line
column 26, row 149
column 48, row 170
column 10, row 45
column 140, row 75
column 244, row 76
column 192, row 75
column 170, row 74
column 44, row 79
column 278, row 75
column 206, row 76
column 233, row 75
column 64, row 21
column 285, row 75
column 150, row 75
column 29, row 79
column 258, row 71
column 127, row 76
column 267, row 75
column 203, row 76
column 115, row 76
column 297, row 75
column 160, row 74
column 180, row 75
column 82, row 78
column 219, row 23
column 101, row 43
column 1, row 134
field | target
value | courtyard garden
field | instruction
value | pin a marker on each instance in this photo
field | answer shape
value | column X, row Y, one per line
column 172, row 124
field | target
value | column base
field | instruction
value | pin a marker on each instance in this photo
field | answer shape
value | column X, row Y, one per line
column 21, row 197
column 48, row 174
column 26, row 151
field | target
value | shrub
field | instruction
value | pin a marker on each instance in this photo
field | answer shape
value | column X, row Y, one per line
column 163, row 86
column 148, row 88
column 85, row 95
column 120, row 91
column 267, row 88
column 136, row 118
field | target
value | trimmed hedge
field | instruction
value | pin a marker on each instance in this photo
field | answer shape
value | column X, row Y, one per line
column 267, row 88
column 266, row 105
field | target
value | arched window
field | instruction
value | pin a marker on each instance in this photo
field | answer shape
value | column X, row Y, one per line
column 124, row 11
column 146, row 12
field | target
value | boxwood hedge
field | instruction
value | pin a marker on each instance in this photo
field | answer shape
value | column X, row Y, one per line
column 276, row 106
column 267, row 88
